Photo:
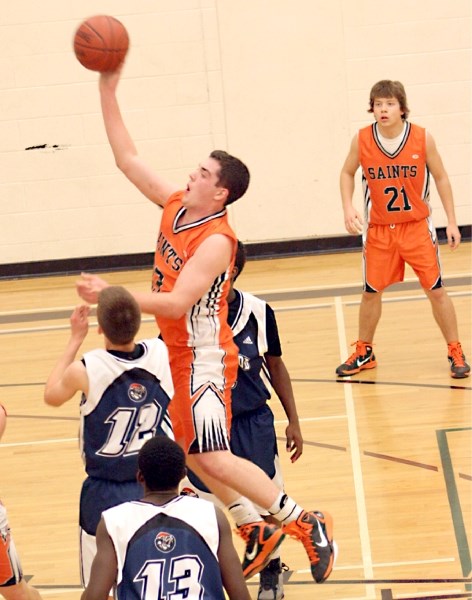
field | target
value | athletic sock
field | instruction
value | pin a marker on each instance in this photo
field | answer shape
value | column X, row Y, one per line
column 285, row 509
column 243, row 511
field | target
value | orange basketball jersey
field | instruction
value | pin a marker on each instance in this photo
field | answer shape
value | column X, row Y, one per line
column 396, row 185
column 205, row 323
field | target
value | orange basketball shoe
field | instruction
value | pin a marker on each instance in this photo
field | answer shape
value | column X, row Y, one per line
column 315, row 531
column 456, row 358
column 362, row 358
column 262, row 539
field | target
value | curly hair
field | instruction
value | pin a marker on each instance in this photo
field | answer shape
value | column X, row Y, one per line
column 162, row 463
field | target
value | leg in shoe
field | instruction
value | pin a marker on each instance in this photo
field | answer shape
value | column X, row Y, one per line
column 262, row 539
column 271, row 581
column 459, row 367
column 362, row 358
column 315, row 530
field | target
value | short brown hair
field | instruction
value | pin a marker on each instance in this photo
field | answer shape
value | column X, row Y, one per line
column 118, row 314
column 233, row 175
column 389, row 89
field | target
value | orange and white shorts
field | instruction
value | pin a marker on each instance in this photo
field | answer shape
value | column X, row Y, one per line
column 388, row 247
column 10, row 568
column 201, row 407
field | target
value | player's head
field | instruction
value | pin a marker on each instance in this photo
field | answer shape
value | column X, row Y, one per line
column 118, row 315
column 3, row 420
column 239, row 261
column 161, row 463
column 233, row 175
column 389, row 89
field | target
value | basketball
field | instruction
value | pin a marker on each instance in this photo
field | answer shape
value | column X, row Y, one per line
column 101, row 43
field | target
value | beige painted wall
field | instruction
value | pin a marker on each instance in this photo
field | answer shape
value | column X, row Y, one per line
column 284, row 85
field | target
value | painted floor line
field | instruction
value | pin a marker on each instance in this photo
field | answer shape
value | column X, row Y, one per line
column 366, row 551
column 38, row 443
column 309, row 419
column 403, row 563
column 433, row 594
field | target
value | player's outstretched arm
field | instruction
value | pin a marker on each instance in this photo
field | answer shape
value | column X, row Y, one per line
column 68, row 375
column 230, row 564
column 154, row 187
column 210, row 260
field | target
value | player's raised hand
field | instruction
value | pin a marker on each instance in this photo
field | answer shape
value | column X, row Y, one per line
column 79, row 322
column 110, row 79
column 89, row 286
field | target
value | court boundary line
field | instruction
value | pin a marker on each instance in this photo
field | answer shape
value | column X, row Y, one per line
column 453, row 498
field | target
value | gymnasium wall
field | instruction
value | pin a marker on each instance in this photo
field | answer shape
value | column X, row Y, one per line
column 284, row 85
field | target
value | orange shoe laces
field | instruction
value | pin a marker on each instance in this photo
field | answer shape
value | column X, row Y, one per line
column 303, row 535
column 359, row 351
column 244, row 531
column 455, row 352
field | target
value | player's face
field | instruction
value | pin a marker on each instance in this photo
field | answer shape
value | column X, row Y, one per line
column 203, row 187
column 387, row 111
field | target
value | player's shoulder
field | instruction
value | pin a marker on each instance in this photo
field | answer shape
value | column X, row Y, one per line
column 152, row 343
column 256, row 305
column 95, row 353
column 252, row 299
column 174, row 200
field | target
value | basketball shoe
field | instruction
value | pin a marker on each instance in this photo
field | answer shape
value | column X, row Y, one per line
column 362, row 358
column 456, row 358
column 262, row 539
column 315, row 531
column 271, row 581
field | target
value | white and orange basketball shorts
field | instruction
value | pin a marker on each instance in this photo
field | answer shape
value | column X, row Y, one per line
column 387, row 248
column 201, row 407
column 10, row 568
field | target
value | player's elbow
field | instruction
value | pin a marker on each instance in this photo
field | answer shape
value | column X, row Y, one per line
column 51, row 398
column 125, row 160
column 123, row 164
column 175, row 311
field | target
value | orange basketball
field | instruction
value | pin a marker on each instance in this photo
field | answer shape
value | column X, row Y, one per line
column 101, row 43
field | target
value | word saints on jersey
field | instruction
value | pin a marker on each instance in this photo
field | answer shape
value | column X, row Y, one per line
column 392, row 171
column 169, row 254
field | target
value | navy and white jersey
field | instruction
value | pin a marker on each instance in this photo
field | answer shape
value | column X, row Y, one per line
column 167, row 551
column 255, row 333
column 127, row 403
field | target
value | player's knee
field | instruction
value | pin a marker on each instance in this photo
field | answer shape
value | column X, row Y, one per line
column 213, row 464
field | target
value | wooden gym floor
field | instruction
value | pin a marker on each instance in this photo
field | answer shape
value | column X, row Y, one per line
column 388, row 453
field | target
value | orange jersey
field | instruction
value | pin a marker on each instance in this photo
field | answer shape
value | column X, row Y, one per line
column 205, row 323
column 396, row 185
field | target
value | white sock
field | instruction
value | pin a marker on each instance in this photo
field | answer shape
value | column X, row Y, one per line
column 285, row 509
column 243, row 511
